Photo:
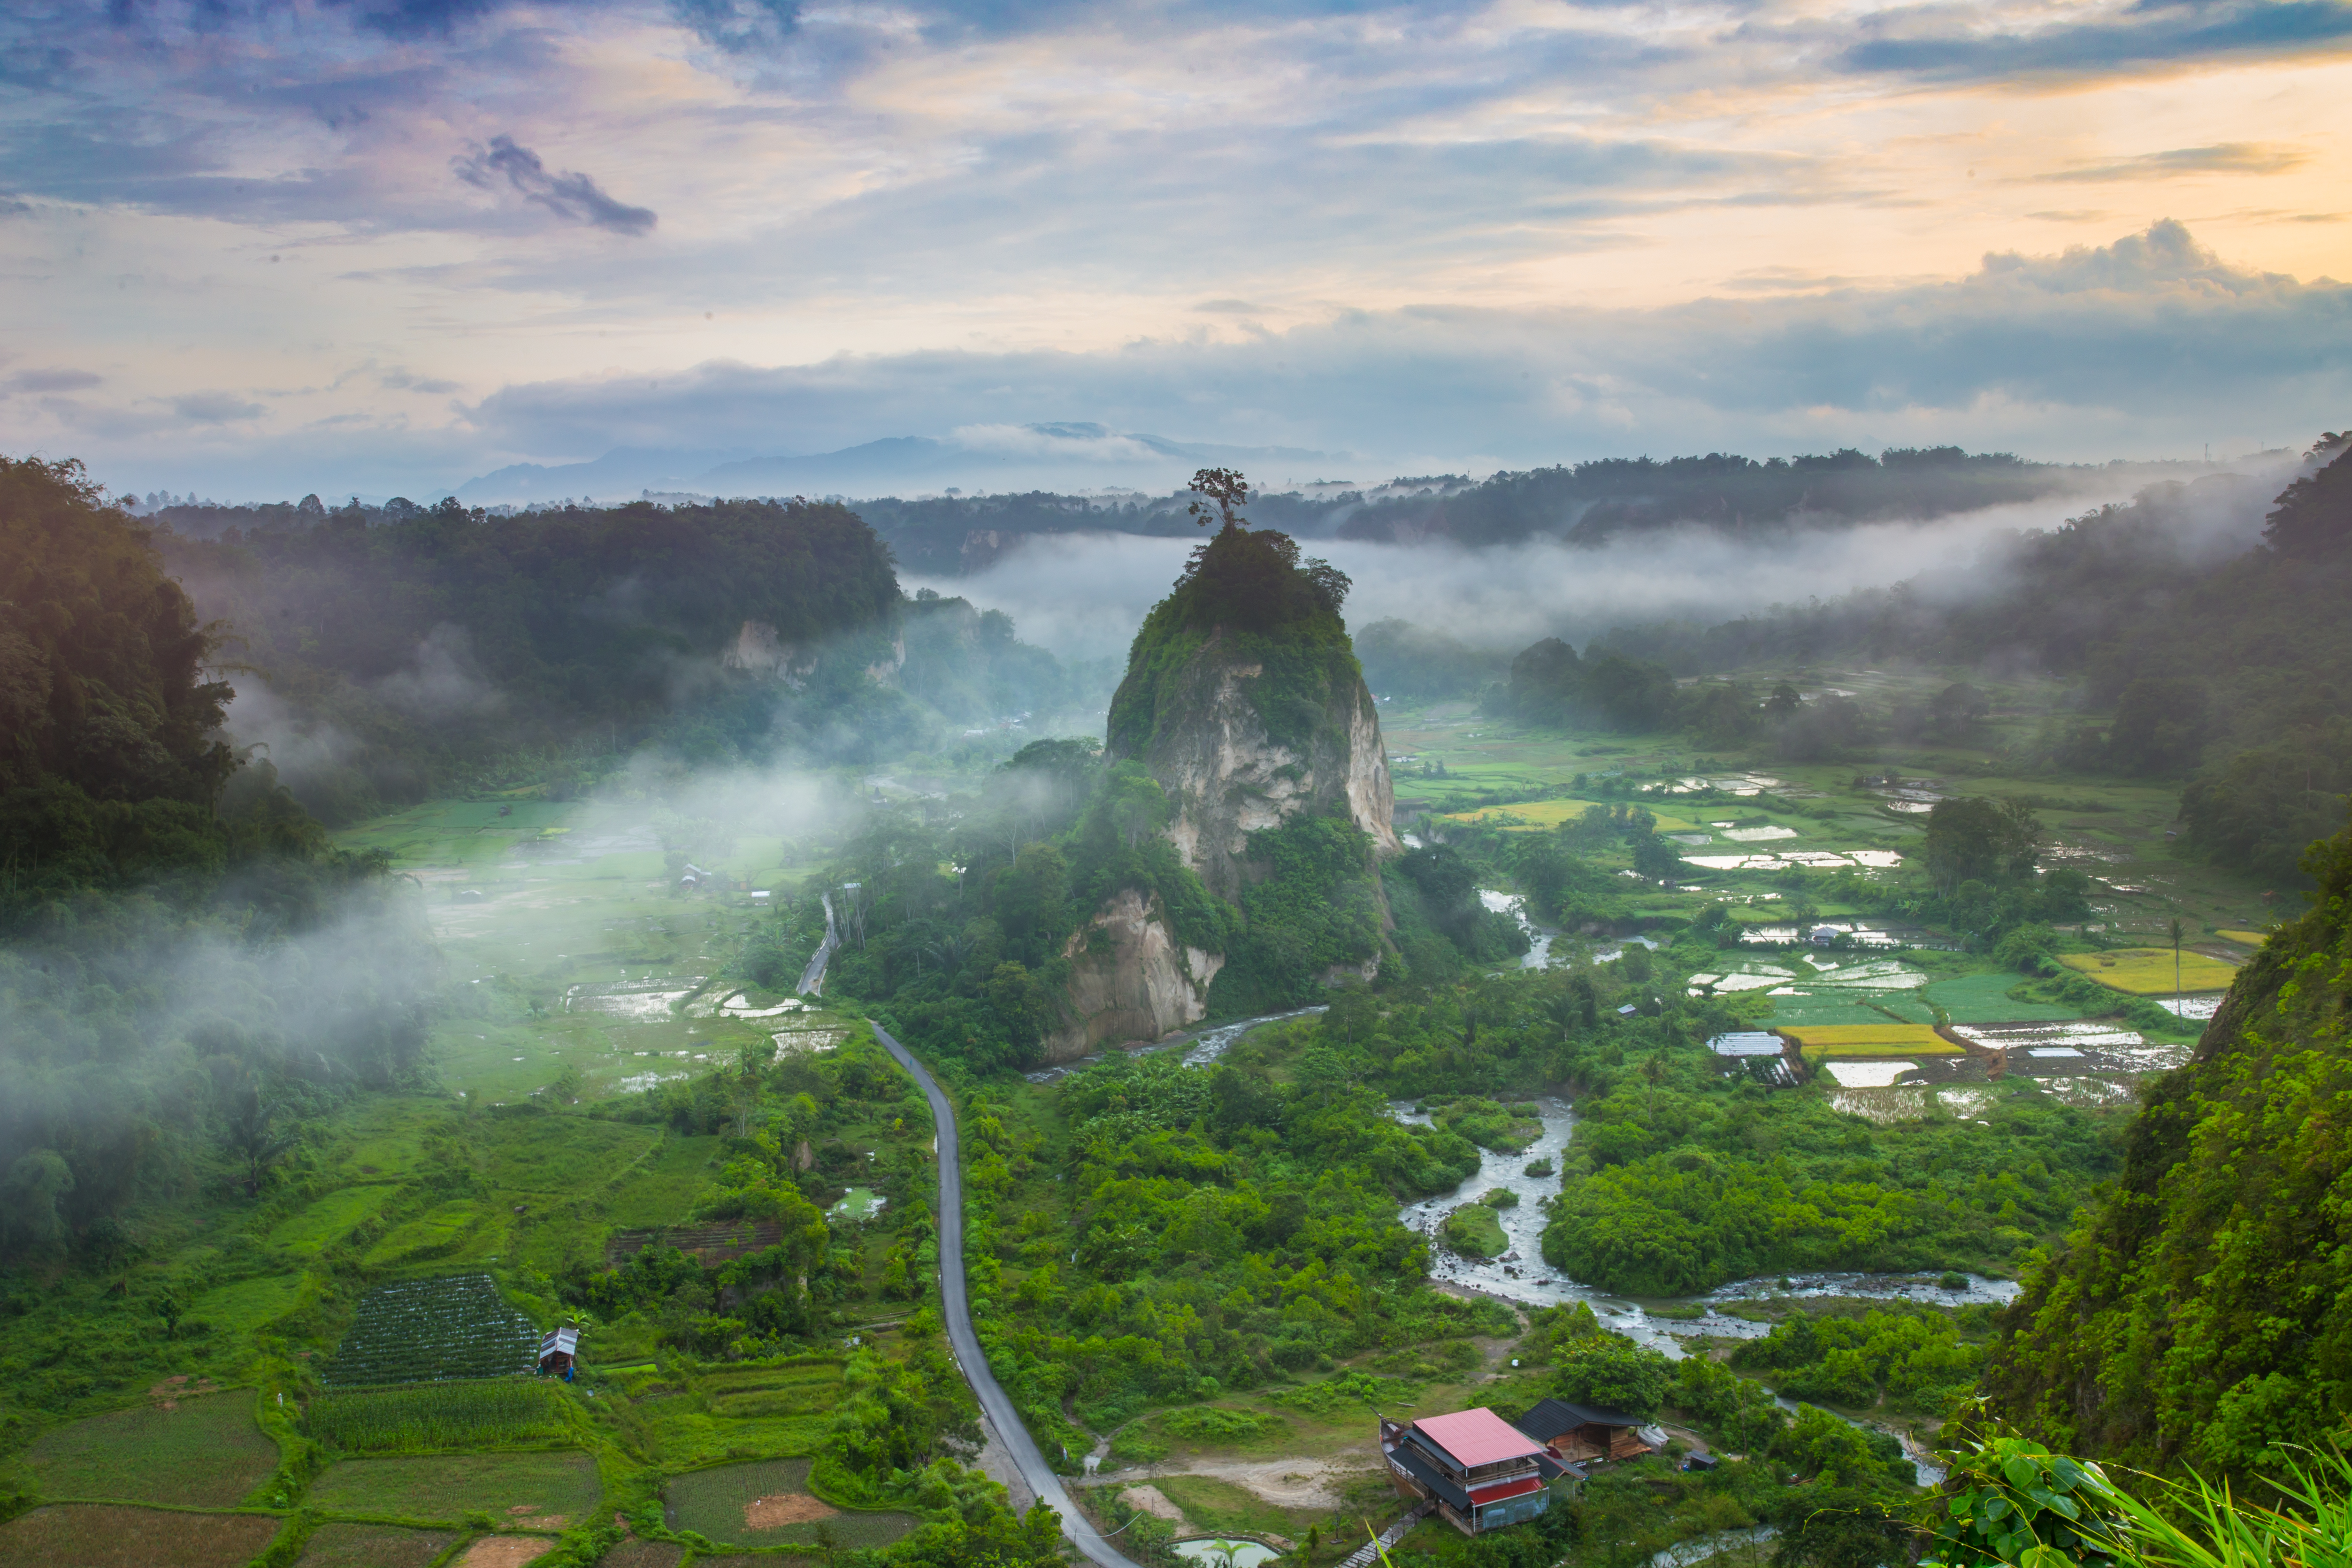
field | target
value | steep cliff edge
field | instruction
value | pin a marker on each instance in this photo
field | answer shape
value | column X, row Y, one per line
column 2201, row 1315
column 1244, row 699
column 1244, row 705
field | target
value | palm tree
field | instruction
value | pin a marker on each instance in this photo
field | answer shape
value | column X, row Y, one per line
column 251, row 1137
column 2176, row 965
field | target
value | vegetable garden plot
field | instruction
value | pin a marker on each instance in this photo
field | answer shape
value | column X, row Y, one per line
column 102, row 1536
column 434, row 1330
column 333, row 1545
column 768, row 1503
column 437, row 1416
column 522, row 1492
column 196, row 1453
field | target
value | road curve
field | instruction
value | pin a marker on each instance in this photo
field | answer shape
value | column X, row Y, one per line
column 953, row 1296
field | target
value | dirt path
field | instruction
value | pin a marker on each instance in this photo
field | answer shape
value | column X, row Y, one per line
column 1285, row 1483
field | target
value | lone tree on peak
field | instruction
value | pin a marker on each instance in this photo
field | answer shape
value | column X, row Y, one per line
column 1223, row 489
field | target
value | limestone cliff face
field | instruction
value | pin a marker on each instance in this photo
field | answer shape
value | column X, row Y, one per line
column 1228, row 777
column 1244, row 701
column 1130, row 978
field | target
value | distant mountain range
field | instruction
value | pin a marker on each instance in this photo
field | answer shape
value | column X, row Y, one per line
column 997, row 459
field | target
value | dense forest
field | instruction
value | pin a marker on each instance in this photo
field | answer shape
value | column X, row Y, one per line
column 391, row 652
column 188, row 966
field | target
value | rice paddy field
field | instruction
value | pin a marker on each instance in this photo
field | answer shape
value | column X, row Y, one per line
column 2149, row 972
column 570, row 941
column 2113, row 830
column 1822, row 1041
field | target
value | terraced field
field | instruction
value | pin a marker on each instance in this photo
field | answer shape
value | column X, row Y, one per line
column 194, row 1452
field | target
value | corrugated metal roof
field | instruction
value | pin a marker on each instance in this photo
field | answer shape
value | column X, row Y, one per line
column 566, row 1339
column 1551, row 1417
column 1746, row 1042
column 1476, row 1436
column 1430, row 1476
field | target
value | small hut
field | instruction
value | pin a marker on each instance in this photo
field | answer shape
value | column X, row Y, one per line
column 1578, row 1434
column 559, row 1353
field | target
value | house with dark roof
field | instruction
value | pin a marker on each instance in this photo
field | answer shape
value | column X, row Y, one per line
column 1585, row 1435
column 1476, row 1470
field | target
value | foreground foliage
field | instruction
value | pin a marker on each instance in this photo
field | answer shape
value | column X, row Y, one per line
column 2201, row 1315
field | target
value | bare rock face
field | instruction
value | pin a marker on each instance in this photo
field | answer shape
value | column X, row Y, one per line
column 1244, row 701
column 1228, row 778
column 1139, row 985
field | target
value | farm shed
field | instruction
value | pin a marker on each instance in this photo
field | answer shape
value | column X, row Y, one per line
column 1581, row 1434
column 558, row 1352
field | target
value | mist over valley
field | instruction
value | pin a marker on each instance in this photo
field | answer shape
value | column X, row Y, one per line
column 1175, row 786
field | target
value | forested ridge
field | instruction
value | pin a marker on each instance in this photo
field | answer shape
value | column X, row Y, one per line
column 2197, row 1314
column 407, row 650
column 2232, row 674
column 187, row 961
column 1582, row 503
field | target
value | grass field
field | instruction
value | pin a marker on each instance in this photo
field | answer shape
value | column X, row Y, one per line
column 2148, row 971
column 1220, row 1507
column 446, row 1231
column 245, row 1306
column 523, row 1491
column 767, row 1504
column 2251, row 938
column 207, row 1452
column 65, row 1536
column 329, row 1220
column 338, row 1545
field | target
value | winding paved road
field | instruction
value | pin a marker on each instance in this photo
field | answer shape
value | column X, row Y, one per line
column 993, row 1399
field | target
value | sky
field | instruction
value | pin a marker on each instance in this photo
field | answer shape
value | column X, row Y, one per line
column 254, row 248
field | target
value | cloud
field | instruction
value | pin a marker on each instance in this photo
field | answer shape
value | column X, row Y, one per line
column 741, row 26
column 54, row 381
column 442, row 681
column 1952, row 43
column 2124, row 349
column 1082, row 595
column 574, row 197
column 2221, row 158
column 213, row 407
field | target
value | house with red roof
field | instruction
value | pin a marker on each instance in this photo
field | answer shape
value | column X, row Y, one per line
column 1477, row 1471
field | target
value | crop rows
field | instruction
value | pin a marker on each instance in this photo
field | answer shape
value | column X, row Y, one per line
column 434, row 1330
column 435, row 1415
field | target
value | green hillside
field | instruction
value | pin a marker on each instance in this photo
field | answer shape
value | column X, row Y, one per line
column 2201, row 1313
